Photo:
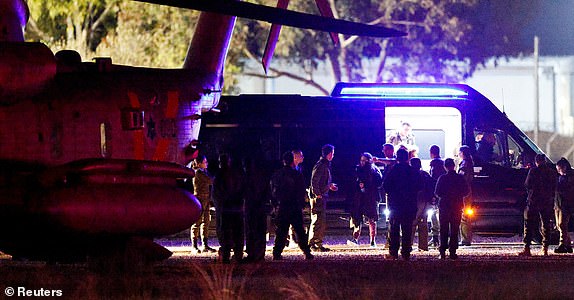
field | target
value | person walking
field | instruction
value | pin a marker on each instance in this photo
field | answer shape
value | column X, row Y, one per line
column 450, row 189
column 541, row 186
column 321, row 184
column 368, row 179
column 288, row 194
column 402, row 185
column 564, row 203
column 298, row 159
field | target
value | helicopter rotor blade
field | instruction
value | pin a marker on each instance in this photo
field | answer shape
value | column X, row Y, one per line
column 282, row 16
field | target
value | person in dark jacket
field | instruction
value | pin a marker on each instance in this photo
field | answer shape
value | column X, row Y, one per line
column 321, row 184
column 466, row 169
column 257, row 195
column 451, row 189
column 228, row 195
column 402, row 185
column 541, row 186
column 288, row 194
column 368, row 179
column 564, row 203
column 436, row 170
column 424, row 199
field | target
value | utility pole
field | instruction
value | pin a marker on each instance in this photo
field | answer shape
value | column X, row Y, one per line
column 536, row 92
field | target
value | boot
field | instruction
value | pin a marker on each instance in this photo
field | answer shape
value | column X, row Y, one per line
column 545, row 250
column 435, row 241
column 206, row 247
column 194, row 247
column 525, row 252
column 563, row 249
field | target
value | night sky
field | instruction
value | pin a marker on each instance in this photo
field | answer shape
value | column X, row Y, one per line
column 554, row 25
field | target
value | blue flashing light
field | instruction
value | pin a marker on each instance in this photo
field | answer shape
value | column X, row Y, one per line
column 403, row 91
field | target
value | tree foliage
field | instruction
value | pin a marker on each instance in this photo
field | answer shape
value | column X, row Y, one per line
column 447, row 39
column 75, row 24
column 131, row 32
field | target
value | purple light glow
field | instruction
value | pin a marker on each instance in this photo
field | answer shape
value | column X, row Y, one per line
column 410, row 92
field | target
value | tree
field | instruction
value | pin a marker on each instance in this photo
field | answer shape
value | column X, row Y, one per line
column 447, row 39
column 132, row 33
column 71, row 24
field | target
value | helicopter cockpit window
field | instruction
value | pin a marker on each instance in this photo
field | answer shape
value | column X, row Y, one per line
column 489, row 148
column 132, row 119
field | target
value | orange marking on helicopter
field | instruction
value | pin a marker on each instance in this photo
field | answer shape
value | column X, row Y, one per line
column 139, row 138
column 171, row 113
column 172, row 104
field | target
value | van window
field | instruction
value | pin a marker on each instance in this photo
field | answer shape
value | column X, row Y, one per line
column 489, row 146
column 515, row 154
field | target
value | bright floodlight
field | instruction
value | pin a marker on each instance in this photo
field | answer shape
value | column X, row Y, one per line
column 403, row 92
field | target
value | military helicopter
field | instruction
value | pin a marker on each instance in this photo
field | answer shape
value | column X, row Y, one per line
column 90, row 152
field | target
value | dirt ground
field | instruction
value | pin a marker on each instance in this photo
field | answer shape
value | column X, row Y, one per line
column 490, row 269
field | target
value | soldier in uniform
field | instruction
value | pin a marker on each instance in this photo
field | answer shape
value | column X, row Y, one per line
column 564, row 203
column 541, row 186
column 402, row 185
column 202, row 184
column 288, row 194
column 424, row 199
column 466, row 169
column 228, row 195
column 257, row 197
column 402, row 136
column 450, row 188
column 436, row 170
column 320, row 186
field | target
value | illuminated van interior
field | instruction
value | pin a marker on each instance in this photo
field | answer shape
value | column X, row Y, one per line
column 430, row 125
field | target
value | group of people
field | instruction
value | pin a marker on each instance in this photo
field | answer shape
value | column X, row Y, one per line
column 550, row 194
column 410, row 192
column 240, row 197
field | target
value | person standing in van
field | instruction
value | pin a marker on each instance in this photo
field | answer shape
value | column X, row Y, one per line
column 321, row 184
column 402, row 136
column 564, row 203
column 466, row 169
column 541, row 186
